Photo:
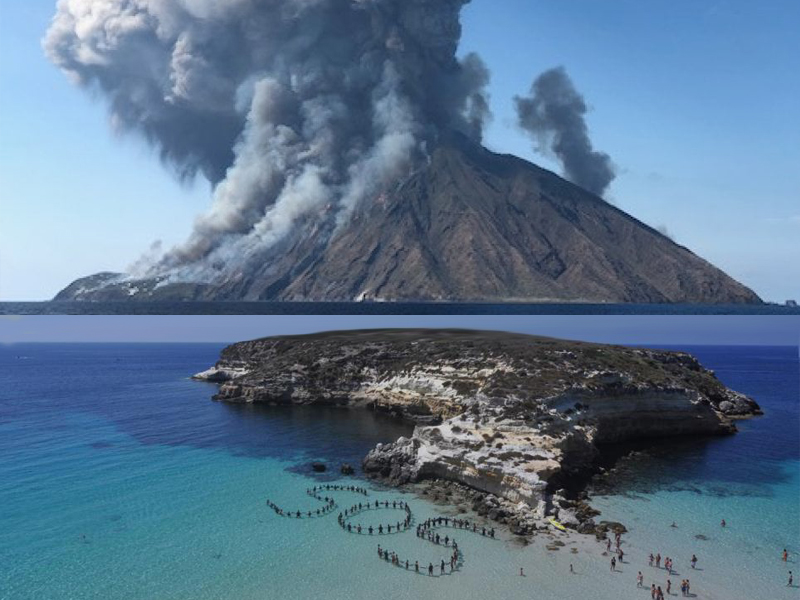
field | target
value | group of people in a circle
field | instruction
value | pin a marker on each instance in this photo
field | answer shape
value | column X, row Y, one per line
column 396, row 527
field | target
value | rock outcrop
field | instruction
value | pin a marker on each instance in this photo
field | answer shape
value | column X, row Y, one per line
column 512, row 416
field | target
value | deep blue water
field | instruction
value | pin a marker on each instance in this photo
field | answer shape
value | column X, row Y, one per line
column 117, row 444
column 381, row 308
column 144, row 390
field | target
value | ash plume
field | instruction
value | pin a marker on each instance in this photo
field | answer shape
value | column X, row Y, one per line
column 553, row 115
column 295, row 111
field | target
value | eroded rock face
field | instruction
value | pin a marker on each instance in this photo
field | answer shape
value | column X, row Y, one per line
column 507, row 414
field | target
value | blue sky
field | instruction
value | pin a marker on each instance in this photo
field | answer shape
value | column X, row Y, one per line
column 666, row 330
column 696, row 102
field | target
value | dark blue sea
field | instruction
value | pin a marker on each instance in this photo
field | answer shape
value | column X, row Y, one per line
column 121, row 478
column 381, row 308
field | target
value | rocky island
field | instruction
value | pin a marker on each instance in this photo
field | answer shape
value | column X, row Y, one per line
column 508, row 421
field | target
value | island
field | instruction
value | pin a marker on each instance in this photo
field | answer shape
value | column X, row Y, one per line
column 515, row 423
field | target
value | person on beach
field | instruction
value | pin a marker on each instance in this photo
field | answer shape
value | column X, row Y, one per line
column 659, row 593
column 694, row 561
column 639, row 579
column 653, row 591
column 658, row 560
column 441, row 568
column 430, row 569
column 416, row 566
column 613, row 563
column 651, row 559
column 669, row 587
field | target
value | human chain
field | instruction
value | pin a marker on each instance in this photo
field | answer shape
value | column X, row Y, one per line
column 316, row 492
column 345, row 517
column 425, row 531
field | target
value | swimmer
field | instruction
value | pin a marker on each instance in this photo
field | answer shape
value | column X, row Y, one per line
column 723, row 523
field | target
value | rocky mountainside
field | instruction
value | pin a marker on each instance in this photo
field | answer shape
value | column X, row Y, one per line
column 511, row 415
column 471, row 225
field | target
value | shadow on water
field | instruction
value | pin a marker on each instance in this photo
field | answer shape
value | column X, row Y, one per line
column 709, row 466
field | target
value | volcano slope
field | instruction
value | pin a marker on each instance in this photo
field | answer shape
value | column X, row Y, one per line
column 513, row 417
column 470, row 225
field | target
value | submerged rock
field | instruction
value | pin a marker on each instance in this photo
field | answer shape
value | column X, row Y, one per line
column 319, row 467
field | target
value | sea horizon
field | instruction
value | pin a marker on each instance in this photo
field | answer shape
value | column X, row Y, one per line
column 383, row 308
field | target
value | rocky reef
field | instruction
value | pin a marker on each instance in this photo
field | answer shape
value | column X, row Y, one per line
column 513, row 418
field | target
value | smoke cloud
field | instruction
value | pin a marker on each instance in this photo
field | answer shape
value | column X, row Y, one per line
column 295, row 110
column 553, row 115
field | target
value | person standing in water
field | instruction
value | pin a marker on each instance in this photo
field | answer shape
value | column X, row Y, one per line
column 694, row 561
column 785, row 555
column 640, row 580
column 791, row 580
column 723, row 523
column 521, row 572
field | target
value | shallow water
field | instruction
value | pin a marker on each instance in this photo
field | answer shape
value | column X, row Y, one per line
column 115, row 443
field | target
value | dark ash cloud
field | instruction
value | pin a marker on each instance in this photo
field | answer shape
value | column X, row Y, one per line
column 554, row 115
column 295, row 110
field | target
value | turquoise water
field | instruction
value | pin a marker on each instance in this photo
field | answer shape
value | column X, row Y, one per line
column 119, row 478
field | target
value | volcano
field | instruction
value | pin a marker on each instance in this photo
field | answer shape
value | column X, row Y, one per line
column 469, row 226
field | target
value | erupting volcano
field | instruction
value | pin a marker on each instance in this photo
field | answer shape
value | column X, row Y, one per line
column 342, row 139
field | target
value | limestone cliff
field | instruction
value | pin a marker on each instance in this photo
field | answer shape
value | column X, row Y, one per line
column 508, row 414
